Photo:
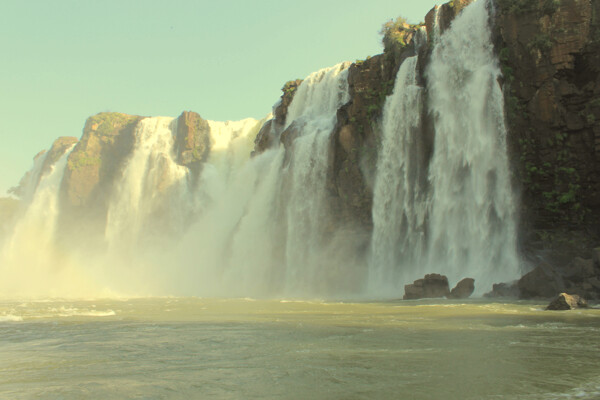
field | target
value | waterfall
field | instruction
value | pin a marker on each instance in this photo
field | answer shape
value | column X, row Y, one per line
column 464, row 225
column 150, row 189
column 473, row 220
column 31, row 262
column 399, row 201
column 262, row 233
column 313, row 114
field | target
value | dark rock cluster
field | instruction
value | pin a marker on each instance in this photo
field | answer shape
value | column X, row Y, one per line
column 435, row 286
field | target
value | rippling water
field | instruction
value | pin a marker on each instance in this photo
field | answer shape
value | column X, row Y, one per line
column 157, row 348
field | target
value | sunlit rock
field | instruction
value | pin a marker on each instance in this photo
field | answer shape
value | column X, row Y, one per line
column 566, row 301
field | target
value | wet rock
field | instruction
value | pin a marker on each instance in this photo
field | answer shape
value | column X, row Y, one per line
column 463, row 289
column 542, row 282
column 566, row 301
column 269, row 134
column 510, row 289
column 265, row 138
column 431, row 286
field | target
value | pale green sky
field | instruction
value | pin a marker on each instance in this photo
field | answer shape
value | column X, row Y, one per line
column 64, row 60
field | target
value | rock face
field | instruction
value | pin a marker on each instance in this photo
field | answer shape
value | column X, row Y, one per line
column 542, row 282
column 355, row 140
column 566, row 301
column 192, row 143
column 550, row 55
column 270, row 132
column 446, row 14
column 463, row 289
column 107, row 140
column 59, row 147
column 432, row 286
column 580, row 276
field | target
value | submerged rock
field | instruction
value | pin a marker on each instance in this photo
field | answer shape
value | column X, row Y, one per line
column 566, row 301
column 463, row 289
column 432, row 286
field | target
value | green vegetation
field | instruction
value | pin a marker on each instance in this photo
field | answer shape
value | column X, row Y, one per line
column 290, row 87
column 563, row 199
column 110, row 123
column 541, row 42
column 395, row 33
column 80, row 160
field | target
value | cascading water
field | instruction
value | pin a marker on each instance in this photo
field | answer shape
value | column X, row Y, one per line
column 30, row 261
column 313, row 114
column 465, row 225
column 473, row 220
column 261, row 236
column 399, row 201
column 151, row 188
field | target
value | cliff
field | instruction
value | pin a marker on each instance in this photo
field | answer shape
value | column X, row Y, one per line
column 550, row 56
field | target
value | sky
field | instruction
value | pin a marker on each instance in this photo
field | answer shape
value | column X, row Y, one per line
column 65, row 60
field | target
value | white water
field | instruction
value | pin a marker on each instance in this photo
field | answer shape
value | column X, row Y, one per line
column 464, row 225
column 31, row 262
column 473, row 218
column 151, row 190
column 262, row 233
column 400, row 204
column 313, row 112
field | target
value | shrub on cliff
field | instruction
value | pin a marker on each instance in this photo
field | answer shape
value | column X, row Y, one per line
column 393, row 32
column 396, row 34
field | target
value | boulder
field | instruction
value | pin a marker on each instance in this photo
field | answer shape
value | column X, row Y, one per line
column 566, row 301
column 504, row 289
column 463, row 289
column 431, row 286
column 542, row 282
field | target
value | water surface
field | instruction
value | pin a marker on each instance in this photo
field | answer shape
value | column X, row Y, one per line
column 181, row 348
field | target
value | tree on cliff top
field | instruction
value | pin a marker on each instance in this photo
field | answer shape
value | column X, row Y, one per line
column 396, row 32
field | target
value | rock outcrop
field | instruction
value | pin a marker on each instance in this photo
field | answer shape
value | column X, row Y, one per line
column 58, row 149
column 566, row 301
column 192, row 142
column 356, row 138
column 432, row 286
column 463, row 289
column 269, row 134
column 92, row 167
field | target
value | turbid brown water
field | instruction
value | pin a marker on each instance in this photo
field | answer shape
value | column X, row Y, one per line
column 185, row 348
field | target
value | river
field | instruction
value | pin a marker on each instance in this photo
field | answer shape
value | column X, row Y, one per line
column 184, row 348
